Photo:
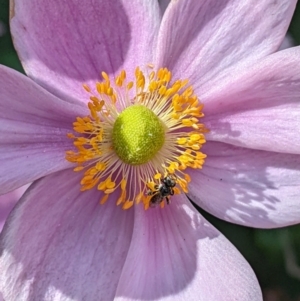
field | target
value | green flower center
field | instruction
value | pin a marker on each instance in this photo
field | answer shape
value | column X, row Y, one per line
column 138, row 134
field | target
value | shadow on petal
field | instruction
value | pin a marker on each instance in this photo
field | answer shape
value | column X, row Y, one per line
column 64, row 44
column 175, row 254
column 59, row 243
column 249, row 187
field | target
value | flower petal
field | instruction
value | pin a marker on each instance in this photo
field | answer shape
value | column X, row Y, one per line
column 176, row 254
column 215, row 38
column 7, row 202
column 260, row 109
column 60, row 244
column 33, row 127
column 63, row 44
column 248, row 187
column 287, row 42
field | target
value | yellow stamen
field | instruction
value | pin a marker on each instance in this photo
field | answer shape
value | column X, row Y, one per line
column 100, row 154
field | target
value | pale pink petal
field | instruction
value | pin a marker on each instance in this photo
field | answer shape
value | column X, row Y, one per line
column 248, row 187
column 260, row 109
column 175, row 254
column 60, row 244
column 33, row 128
column 64, row 43
column 207, row 41
column 287, row 42
column 7, row 202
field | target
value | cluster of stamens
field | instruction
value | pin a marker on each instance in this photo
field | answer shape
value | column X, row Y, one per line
column 110, row 165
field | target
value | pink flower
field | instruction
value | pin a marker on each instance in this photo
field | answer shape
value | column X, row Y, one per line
column 59, row 243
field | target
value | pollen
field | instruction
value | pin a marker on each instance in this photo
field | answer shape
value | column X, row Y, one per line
column 139, row 136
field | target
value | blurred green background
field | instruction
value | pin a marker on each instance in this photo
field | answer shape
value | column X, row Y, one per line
column 273, row 254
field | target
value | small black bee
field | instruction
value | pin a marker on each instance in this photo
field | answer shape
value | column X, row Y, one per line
column 162, row 191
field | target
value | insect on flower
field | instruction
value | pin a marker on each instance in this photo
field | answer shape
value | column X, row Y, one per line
column 162, row 190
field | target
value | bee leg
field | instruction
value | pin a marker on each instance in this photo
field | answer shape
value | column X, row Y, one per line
column 171, row 192
column 168, row 201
